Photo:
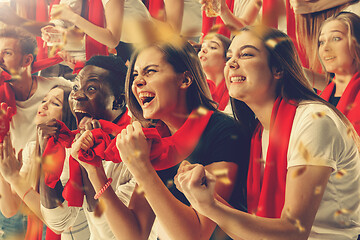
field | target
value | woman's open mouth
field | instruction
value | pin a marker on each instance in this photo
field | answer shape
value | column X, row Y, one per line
column 146, row 98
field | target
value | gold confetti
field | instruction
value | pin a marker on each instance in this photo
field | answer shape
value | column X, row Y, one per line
column 317, row 190
column 341, row 212
column 59, row 203
column 318, row 115
column 273, row 42
column 296, row 222
column 139, row 190
column 221, row 172
column 299, row 226
column 224, row 180
column 99, row 209
column 299, row 172
column 341, row 173
column 304, row 152
column 170, row 183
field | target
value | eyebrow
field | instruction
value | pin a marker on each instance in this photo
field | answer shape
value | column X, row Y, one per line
column 58, row 99
column 148, row 66
column 334, row 31
column 246, row 46
column 215, row 43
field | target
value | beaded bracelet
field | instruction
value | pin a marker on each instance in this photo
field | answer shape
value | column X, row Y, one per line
column 102, row 190
column 23, row 198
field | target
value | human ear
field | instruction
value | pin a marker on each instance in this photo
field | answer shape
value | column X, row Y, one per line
column 28, row 59
column 278, row 73
column 187, row 80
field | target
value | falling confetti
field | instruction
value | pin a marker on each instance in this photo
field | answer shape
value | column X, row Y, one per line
column 341, row 173
column 341, row 212
column 139, row 190
column 299, row 172
column 304, row 152
column 222, row 175
column 317, row 190
column 170, row 183
column 318, row 115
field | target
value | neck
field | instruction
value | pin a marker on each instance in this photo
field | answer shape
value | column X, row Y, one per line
column 216, row 77
column 24, row 87
column 341, row 81
column 175, row 120
column 263, row 111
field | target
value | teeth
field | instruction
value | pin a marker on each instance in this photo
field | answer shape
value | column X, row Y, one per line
column 329, row 58
column 238, row 79
column 79, row 111
column 146, row 94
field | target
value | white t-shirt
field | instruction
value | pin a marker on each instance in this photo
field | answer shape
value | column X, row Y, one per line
column 79, row 230
column 22, row 126
column 327, row 141
column 62, row 218
column 192, row 19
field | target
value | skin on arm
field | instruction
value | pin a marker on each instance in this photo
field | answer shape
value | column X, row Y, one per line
column 301, row 204
column 179, row 220
column 174, row 10
column 133, row 222
column 305, row 6
column 109, row 35
column 248, row 17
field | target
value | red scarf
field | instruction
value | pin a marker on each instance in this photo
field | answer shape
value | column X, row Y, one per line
column 266, row 198
column 208, row 22
column 167, row 151
column 96, row 16
column 220, row 93
column 55, row 151
column 349, row 103
column 34, row 230
column 6, row 92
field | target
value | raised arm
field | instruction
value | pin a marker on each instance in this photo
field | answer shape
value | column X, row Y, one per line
column 108, row 35
column 174, row 10
column 247, row 18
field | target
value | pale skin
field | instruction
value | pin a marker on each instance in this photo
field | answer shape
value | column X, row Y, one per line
column 301, row 204
column 250, row 13
column 180, row 221
column 174, row 10
column 108, row 35
column 336, row 55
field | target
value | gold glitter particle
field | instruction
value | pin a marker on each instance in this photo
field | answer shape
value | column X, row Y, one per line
column 341, row 173
column 298, row 172
column 170, row 183
column 318, row 115
column 341, row 212
column 139, row 190
column 304, row 152
column 317, row 190
column 299, row 226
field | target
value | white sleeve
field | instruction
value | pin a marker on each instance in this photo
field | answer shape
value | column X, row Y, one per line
column 316, row 141
column 60, row 218
column 123, row 182
column 27, row 153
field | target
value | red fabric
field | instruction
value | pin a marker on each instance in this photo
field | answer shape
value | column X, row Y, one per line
column 349, row 103
column 270, row 13
column 73, row 191
column 45, row 63
column 96, row 16
column 6, row 92
column 34, row 228
column 55, row 150
column 266, row 198
column 168, row 151
column 78, row 66
column 155, row 8
column 208, row 22
column 50, row 235
column 220, row 93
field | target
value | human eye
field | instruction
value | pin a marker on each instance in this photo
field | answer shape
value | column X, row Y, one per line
column 75, row 88
column 135, row 74
column 336, row 38
column 91, row 88
column 246, row 55
column 55, row 103
column 321, row 42
column 150, row 71
column 8, row 52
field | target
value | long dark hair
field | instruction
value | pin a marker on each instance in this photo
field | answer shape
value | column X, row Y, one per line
column 282, row 55
column 183, row 59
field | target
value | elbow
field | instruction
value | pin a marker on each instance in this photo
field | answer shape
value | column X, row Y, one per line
column 8, row 213
column 112, row 43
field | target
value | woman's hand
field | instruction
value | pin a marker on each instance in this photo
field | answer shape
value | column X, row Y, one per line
column 197, row 184
column 9, row 165
column 45, row 131
column 63, row 12
column 83, row 141
column 134, row 149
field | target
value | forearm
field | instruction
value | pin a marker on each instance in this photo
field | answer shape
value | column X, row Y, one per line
column 30, row 197
column 124, row 222
column 174, row 10
column 179, row 221
column 9, row 202
column 317, row 80
column 248, row 17
column 247, row 226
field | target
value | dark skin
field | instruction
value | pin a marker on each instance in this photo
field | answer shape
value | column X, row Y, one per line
column 91, row 97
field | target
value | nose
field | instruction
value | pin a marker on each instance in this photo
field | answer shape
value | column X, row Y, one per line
column 204, row 50
column 232, row 63
column 44, row 105
column 79, row 95
column 139, row 82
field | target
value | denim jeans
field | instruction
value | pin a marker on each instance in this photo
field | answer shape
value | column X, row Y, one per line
column 13, row 226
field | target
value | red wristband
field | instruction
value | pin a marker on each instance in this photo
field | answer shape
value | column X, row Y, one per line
column 102, row 190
